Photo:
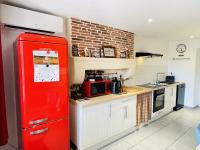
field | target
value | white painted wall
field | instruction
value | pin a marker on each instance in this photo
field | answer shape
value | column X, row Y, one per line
column 146, row 68
column 185, row 70
column 197, row 78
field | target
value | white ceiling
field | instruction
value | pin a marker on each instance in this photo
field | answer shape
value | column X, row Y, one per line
column 172, row 19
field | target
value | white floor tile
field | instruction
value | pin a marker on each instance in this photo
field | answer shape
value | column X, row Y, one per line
column 150, row 129
column 133, row 138
column 119, row 145
column 171, row 132
column 186, row 142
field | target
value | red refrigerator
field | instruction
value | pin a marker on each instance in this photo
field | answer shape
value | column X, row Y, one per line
column 42, row 63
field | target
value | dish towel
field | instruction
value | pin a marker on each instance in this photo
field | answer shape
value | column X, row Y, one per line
column 144, row 108
column 3, row 123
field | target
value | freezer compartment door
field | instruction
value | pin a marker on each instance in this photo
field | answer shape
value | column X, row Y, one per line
column 52, row 136
column 43, row 82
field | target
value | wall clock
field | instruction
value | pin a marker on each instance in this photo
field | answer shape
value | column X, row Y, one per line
column 181, row 48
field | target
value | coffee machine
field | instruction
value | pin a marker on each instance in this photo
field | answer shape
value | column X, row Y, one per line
column 116, row 86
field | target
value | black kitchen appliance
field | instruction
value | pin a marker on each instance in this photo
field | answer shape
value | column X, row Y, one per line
column 93, row 75
column 77, row 91
column 170, row 79
column 115, row 86
column 158, row 100
column 180, row 97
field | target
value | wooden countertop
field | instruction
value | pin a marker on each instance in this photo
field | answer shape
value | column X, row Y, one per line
column 131, row 91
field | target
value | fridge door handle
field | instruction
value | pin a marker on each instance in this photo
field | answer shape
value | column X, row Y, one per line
column 38, row 121
column 39, row 131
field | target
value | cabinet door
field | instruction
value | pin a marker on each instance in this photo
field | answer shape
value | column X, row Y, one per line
column 95, row 124
column 168, row 93
column 130, row 112
column 173, row 98
column 117, row 117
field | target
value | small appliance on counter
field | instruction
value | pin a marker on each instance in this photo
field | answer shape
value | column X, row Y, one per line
column 116, row 86
column 94, row 75
column 170, row 79
column 180, row 97
column 77, row 91
column 96, row 88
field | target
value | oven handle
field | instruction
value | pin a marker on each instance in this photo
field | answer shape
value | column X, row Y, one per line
column 160, row 95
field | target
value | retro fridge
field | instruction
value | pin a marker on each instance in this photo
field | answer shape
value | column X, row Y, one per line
column 42, row 68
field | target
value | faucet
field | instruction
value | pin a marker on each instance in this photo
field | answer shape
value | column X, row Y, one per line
column 157, row 75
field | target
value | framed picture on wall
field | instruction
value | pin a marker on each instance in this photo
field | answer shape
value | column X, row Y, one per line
column 109, row 51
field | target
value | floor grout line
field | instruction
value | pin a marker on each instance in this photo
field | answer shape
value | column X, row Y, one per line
column 178, row 138
column 163, row 124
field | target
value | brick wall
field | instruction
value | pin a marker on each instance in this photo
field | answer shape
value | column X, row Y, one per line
column 94, row 36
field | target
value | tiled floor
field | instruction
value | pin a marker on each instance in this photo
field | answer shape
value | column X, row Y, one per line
column 171, row 132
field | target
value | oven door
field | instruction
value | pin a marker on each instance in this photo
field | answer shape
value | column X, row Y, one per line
column 159, row 102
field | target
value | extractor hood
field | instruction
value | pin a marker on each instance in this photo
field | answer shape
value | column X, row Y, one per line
column 147, row 54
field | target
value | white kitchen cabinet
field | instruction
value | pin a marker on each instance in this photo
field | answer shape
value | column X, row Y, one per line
column 130, row 112
column 95, row 127
column 173, row 97
column 170, row 97
column 117, row 117
column 99, row 123
column 167, row 105
column 123, row 115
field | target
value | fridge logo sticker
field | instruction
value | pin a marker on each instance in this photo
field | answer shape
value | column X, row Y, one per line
column 46, row 66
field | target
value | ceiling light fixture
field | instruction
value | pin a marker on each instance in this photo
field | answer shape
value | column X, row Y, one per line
column 191, row 36
column 150, row 20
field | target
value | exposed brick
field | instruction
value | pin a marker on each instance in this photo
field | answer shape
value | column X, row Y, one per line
column 94, row 36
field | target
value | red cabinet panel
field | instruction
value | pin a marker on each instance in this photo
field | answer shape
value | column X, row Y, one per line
column 51, row 136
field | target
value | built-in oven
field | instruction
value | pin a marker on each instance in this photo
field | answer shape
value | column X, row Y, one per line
column 158, row 100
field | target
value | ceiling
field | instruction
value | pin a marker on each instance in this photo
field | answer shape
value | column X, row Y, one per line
column 171, row 19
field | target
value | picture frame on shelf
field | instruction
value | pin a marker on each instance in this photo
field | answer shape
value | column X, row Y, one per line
column 109, row 51
column 75, row 51
column 123, row 54
column 95, row 53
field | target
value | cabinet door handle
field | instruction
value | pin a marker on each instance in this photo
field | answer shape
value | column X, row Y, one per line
column 38, row 121
column 125, row 112
column 39, row 131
